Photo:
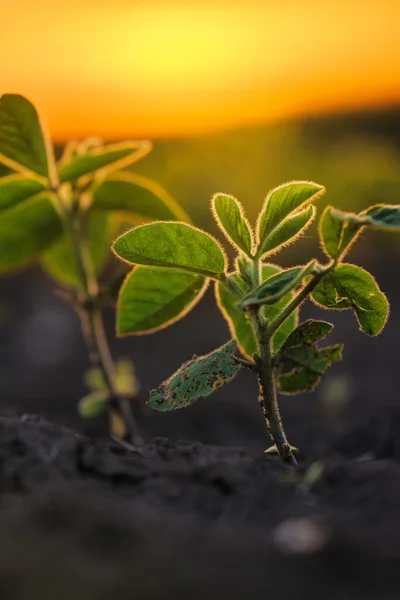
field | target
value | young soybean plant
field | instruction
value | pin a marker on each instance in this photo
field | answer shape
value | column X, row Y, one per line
column 65, row 214
column 259, row 300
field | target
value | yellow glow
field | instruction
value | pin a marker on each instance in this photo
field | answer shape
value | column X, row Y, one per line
column 122, row 68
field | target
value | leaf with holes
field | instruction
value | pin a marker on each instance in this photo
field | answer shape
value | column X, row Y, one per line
column 308, row 333
column 170, row 244
column 229, row 215
column 349, row 286
column 196, row 379
column 153, row 298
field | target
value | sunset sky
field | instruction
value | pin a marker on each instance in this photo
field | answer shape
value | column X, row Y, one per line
column 127, row 68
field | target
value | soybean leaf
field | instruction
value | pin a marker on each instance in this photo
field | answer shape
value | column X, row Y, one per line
column 27, row 229
column 272, row 290
column 281, row 202
column 338, row 231
column 301, row 367
column 105, row 158
column 289, row 230
column 94, row 404
column 131, row 193
column 229, row 215
column 171, row 244
column 349, row 286
column 239, row 322
column 23, row 145
column 16, row 188
column 308, row 333
column 153, row 298
column 196, row 379
column 59, row 259
column 383, row 216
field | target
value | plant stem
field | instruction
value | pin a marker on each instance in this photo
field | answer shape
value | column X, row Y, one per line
column 268, row 397
column 92, row 323
column 298, row 299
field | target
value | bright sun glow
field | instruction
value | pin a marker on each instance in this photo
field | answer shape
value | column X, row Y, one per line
column 122, row 68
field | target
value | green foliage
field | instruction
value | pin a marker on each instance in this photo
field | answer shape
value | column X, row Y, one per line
column 89, row 200
column 59, row 258
column 106, row 158
column 349, row 286
column 260, row 302
column 196, row 379
column 16, row 188
column 153, row 298
column 129, row 193
column 338, row 230
column 277, row 286
column 23, row 145
column 281, row 203
column 229, row 214
column 175, row 245
column 239, row 321
column 300, row 362
column 27, row 229
column 308, row 333
column 94, row 404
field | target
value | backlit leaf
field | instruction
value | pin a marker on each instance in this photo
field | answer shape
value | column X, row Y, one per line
column 288, row 230
column 308, row 333
column 349, row 286
column 104, row 158
column 26, row 230
column 16, row 188
column 229, row 214
column 272, row 290
column 281, row 202
column 153, row 298
column 59, row 259
column 23, row 146
column 172, row 244
column 239, row 322
column 131, row 193
column 196, row 379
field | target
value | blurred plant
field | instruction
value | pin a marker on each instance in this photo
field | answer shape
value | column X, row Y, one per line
column 65, row 214
column 259, row 300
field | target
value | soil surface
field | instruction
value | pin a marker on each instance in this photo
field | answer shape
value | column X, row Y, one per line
column 89, row 520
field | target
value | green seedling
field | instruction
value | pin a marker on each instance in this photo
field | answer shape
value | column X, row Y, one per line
column 65, row 214
column 259, row 300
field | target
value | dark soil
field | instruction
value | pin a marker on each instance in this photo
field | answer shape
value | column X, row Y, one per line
column 93, row 521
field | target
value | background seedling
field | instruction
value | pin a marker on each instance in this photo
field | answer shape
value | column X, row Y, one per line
column 259, row 300
column 65, row 214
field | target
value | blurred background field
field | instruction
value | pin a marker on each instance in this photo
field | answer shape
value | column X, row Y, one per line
column 328, row 110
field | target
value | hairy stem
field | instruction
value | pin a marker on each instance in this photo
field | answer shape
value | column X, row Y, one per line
column 298, row 299
column 268, row 397
column 92, row 323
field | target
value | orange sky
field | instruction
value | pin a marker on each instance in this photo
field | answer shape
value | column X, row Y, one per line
column 126, row 68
